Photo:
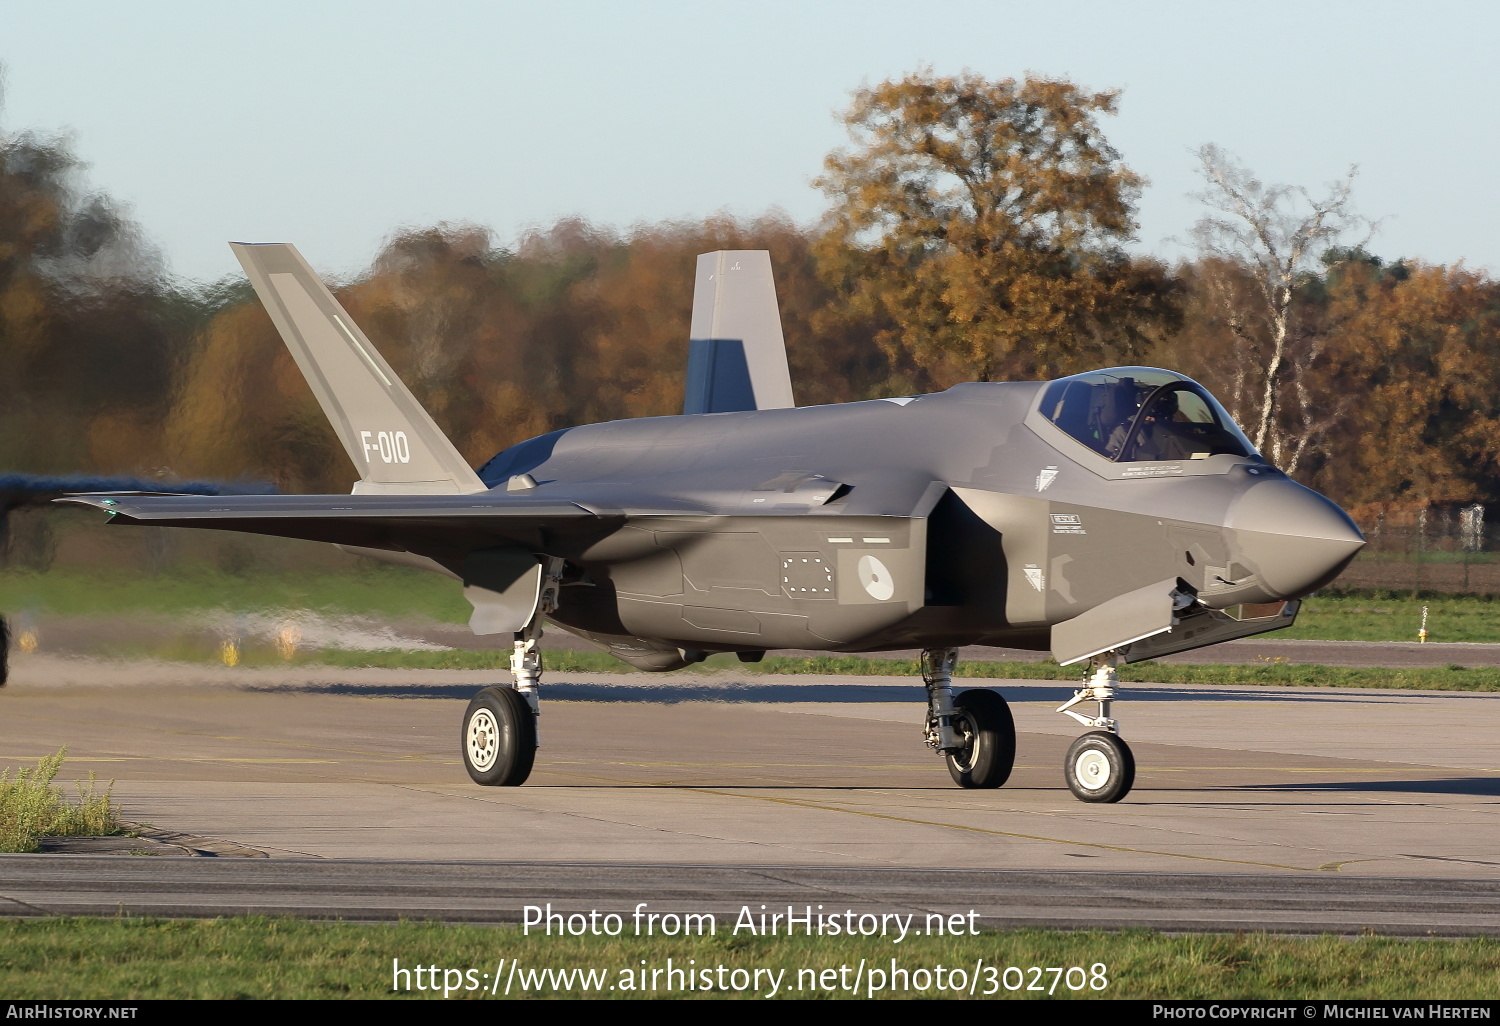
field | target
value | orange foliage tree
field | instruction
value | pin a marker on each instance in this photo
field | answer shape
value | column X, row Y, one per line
column 984, row 222
column 574, row 325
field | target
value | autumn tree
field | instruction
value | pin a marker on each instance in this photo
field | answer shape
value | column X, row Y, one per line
column 574, row 324
column 90, row 330
column 1418, row 347
column 1259, row 244
column 983, row 223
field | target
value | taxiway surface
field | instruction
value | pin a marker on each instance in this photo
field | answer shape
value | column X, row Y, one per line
column 1284, row 808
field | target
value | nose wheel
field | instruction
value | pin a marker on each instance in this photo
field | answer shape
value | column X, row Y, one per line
column 1099, row 767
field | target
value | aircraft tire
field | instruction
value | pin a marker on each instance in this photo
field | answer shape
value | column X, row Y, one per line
column 498, row 739
column 1099, row 767
column 984, row 718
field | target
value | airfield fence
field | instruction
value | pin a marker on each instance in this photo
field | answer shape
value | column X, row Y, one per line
column 1449, row 549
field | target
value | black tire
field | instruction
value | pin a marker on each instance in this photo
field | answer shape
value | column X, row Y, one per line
column 498, row 739
column 983, row 719
column 1099, row 767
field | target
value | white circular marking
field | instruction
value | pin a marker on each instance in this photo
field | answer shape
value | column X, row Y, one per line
column 1092, row 769
column 877, row 580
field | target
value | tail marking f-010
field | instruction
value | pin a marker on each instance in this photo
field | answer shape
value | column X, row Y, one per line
column 390, row 439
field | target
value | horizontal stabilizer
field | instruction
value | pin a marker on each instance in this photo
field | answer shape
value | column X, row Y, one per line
column 736, row 352
column 1122, row 620
column 393, row 443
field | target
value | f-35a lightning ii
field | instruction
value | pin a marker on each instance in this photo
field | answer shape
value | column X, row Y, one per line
column 1110, row 517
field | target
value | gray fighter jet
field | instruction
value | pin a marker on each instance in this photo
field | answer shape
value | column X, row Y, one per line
column 1110, row 517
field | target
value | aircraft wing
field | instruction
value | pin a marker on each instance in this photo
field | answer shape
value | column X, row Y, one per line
column 433, row 524
column 17, row 490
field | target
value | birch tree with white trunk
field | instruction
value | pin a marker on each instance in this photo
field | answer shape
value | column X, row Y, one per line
column 1276, row 234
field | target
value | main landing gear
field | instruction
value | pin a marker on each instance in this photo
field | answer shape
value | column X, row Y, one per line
column 1099, row 766
column 500, row 736
column 977, row 737
column 974, row 732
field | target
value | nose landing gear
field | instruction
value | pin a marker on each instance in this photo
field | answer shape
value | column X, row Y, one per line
column 1099, row 766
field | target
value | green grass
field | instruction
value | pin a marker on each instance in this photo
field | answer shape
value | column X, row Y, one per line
column 287, row 958
column 1429, row 555
column 32, row 807
column 1387, row 616
column 397, row 592
column 1270, row 674
column 386, row 591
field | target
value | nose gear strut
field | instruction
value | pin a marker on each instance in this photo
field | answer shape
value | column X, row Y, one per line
column 1099, row 687
column 1099, row 766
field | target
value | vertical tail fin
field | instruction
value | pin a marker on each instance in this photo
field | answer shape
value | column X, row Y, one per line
column 736, row 353
column 393, row 443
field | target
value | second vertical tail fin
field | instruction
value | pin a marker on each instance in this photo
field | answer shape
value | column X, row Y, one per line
column 736, row 352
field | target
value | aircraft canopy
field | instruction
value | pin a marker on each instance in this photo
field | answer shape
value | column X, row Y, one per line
column 1142, row 414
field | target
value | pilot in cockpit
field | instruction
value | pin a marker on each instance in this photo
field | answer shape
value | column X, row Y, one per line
column 1158, row 438
column 1142, row 414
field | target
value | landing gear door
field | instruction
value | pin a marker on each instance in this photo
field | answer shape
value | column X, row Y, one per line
column 1143, row 613
column 504, row 586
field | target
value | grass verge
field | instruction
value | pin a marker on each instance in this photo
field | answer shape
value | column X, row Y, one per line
column 32, row 807
column 397, row 592
column 1449, row 678
column 1268, row 674
column 1391, row 616
column 286, row 958
column 389, row 591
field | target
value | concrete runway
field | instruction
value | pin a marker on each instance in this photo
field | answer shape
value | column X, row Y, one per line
column 1280, row 808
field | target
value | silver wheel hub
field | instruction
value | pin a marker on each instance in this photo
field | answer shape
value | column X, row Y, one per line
column 1091, row 768
column 964, row 728
column 482, row 740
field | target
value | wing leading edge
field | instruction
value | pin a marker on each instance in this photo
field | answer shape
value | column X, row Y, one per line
column 444, row 528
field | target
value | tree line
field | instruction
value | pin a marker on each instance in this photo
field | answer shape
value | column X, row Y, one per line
column 976, row 230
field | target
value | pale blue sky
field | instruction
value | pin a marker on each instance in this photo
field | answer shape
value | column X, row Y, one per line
column 331, row 124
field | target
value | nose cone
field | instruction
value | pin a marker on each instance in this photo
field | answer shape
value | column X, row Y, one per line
column 1295, row 540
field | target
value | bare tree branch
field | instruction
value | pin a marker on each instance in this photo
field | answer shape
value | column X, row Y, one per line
column 1277, row 233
